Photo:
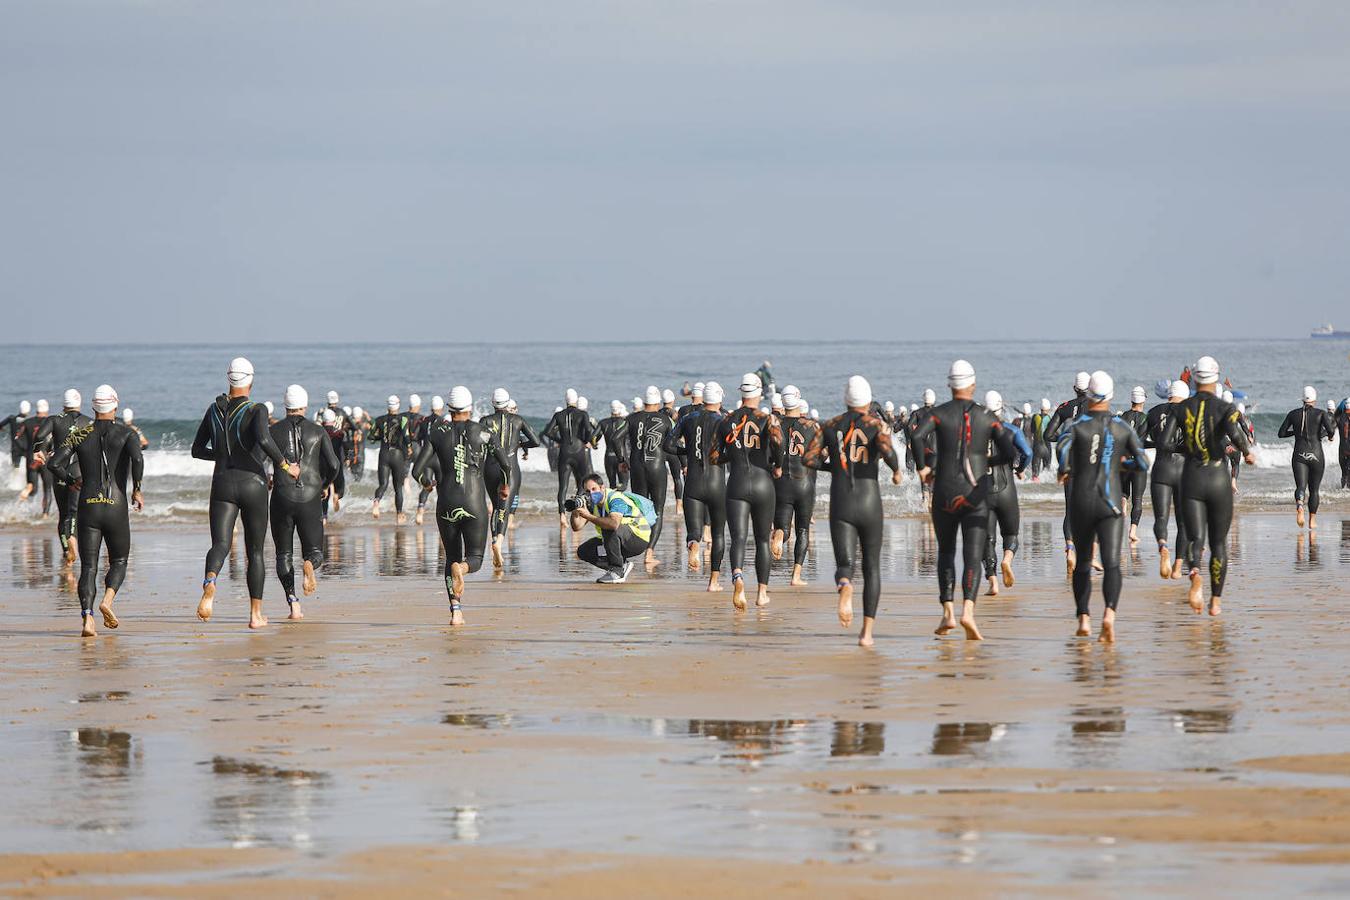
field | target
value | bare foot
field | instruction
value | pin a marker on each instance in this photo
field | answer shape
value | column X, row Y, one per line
column 738, row 592
column 1134, row 533
column 1215, row 606
column 1084, row 627
column 776, row 544
column 70, row 553
column 109, row 620
column 1070, row 560
column 845, row 604
column 762, row 597
column 1096, row 564
column 715, row 583
column 1298, row 517
column 88, row 629
column 1164, row 562
column 421, row 516
column 865, row 636
column 695, row 556
column 208, row 598
column 375, row 510
column 1176, row 568
column 948, row 623
column 309, row 584
column 993, row 586
column 497, row 562
column 456, row 615
column 1312, row 522
column 707, row 533
column 972, row 630
column 1008, row 579
column 457, row 571
column 1108, row 635
column 297, row 612
column 797, row 579
column 1196, row 595
column 400, row 518
column 257, row 620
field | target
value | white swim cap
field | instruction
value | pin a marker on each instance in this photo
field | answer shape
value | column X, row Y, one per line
column 857, row 392
column 511, row 406
column 652, row 396
column 1309, row 394
column 1138, row 394
column 764, row 408
column 1026, row 409
column 751, row 386
column 270, row 407
column 993, row 401
column 698, row 389
column 960, row 375
column 1101, row 386
column 712, row 393
column 437, row 403
column 71, row 399
column 25, row 407
column 557, row 409
column 42, row 406
column 929, row 397
column 889, row 407
column 328, row 417
column 461, row 399
column 392, row 403
column 790, row 391
column 667, row 396
column 346, row 410
column 617, row 408
column 357, row 411
column 1241, row 407
column 333, row 398
column 571, row 396
column 105, row 398
column 583, row 404
column 128, row 415
column 1206, row 370
column 296, row 397
column 500, row 397
column 1227, row 396
column 776, row 401
column 1080, row 381
column 796, row 401
column 1179, row 390
column 914, row 407
column 414, row 401
column 815, row 414
column 240, row 372
column 1045, row 404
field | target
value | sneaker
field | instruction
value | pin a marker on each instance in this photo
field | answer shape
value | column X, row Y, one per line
column 612, row 578
column 627, row 567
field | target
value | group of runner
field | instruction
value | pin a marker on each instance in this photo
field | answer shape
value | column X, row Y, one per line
column 748, row 471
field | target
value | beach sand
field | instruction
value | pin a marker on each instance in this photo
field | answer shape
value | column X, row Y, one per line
column 646, row 740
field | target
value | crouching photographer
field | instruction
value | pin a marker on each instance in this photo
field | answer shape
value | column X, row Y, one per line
column 623, row 520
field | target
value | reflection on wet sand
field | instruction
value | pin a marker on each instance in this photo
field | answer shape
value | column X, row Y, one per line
column 965, row 738
column 858, row 739
column 256, row 804
column 108, row 765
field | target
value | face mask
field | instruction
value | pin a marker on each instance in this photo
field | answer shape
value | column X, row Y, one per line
column 597, row 496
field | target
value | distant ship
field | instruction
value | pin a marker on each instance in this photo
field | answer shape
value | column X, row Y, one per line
column 1326, row 331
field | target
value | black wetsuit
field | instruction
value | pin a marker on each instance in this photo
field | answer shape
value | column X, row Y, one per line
column 1343, row 429
column 570, row 429
column 1040, row 447
column 100, row 456
column 673, row 463
column 614, row 432
column 17, row 450
column 461, row 498
column 751, row 444
column 647, row 432
column 851, row 447
column 1308, row 426
column 298, row 505
column 511, row 433
column 921, row 452
column 337, row 438
column 1165, row 477
column 1094, row 450
column 965, row 432
column 1005, row 511
column 795, row 489
column 393, row 432
column 1134, row 479
column 357, row 433
column 37, row 476
column 1066, row 414
column 1198, row 431
column 51, row 435
column 234, row 433
column 705, row 485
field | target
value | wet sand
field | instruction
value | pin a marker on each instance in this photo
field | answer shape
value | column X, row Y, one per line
column 579, row 740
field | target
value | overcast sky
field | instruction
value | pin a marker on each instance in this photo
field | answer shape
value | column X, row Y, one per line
column 193, row 170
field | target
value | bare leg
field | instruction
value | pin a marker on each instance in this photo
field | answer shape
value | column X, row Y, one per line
column 948, row 623
column 1084, row 626
column 1108, row 635
column 797, row 579
column 375, row 510
column 993, row 586
column 1215, row 605
column 1298, row 516
column 498, row 562
column 1008, row 579
column 762, row 596
column 309, row 584
column 1164, row 562
column 88, row 629
column 1196, row 595
column 1070, row 558
column 695, row 556
column 715, row 582
column 865, row 638
column 256, row 619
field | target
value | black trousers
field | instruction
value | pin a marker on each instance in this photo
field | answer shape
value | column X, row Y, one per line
column 610, row 552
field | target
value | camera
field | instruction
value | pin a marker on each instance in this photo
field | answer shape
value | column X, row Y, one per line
column 580, row 501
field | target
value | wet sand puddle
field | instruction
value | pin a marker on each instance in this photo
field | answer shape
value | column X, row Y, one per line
column 567, row 716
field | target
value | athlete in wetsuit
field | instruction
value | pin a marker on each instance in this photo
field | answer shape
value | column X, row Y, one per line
column 17, row 451
column 795, row 488
column 96, row 457
column 1134, row 479
column 428, row 480
column 36, row 474
column 705, row 485
column 647, row 432
column 1040, row 447
column 750, row 443
column 1308, row 426
column 1066, row 413
column 965, row 432
column 297, row 503
column 852, row 447
column 234, row 434
column 129, row 420
column 356, row 443
column 1197, row 432
column 1343, row 429
column 393, row 432
column 673, row 463
column 570, row 429
column 1005, row 515
column 922, row 453
column 337, row 437
column 51, row 434
column 1094, row 450
column 509, row 431
column 614, row 432
column 462, row 514
column 1165, row 478
column 694, row 405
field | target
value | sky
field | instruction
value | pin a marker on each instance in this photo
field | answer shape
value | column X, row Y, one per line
column 176, row 170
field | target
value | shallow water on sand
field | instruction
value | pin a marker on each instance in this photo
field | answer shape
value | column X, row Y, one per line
column 653, row 719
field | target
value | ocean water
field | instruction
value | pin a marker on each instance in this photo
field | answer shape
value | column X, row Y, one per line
column 169, row 387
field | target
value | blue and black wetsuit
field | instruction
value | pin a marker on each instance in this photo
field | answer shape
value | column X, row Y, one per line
column 1065, row 414
column 1005, row 514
